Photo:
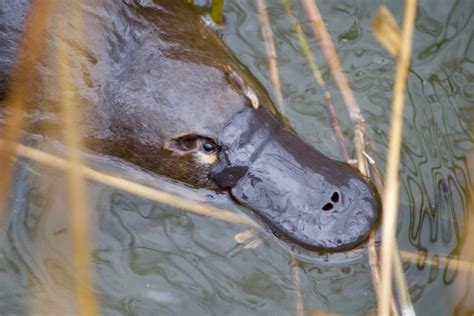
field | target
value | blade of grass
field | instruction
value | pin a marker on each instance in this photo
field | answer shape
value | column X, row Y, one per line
column 22, row 81
column 390, row 196
column 79, row 211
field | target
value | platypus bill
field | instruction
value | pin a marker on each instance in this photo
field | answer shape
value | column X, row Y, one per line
column 158, row 89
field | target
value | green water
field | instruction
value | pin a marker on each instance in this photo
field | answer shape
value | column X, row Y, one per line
column 155, row 260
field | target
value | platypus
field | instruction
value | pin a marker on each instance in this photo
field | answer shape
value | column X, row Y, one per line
column 157, row 88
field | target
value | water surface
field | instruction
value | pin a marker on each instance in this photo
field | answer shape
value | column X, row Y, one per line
column 152, row 259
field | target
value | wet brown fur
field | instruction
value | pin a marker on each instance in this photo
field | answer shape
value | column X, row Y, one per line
column 144, row 74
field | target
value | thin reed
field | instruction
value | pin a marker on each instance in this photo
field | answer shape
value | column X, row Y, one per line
column 391, row 191
column 299, row 307
column 22, row 84
column 359, row 143
column 319, row 79
column 275, row 77
column 135, row 188
column 271, row 54
column 441, row 261
column 334, row 64
column 353, row 109
column 79, row 211
column 358, row 121
column 217, row 11
column 386, row 31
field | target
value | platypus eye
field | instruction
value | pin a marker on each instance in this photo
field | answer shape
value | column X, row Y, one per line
column 209, row 147
column 193, row 143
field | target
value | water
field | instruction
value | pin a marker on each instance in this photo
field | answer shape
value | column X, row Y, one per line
column 151, row 259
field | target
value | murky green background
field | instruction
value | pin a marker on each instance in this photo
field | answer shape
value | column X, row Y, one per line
column 156, row 260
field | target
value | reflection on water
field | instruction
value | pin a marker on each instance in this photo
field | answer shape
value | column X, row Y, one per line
column 152, row 259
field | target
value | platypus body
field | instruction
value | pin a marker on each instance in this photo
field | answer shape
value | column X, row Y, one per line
column 156, row 87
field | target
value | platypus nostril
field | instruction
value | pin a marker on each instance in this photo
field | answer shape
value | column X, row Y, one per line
column 335, row 197
column 327, row 207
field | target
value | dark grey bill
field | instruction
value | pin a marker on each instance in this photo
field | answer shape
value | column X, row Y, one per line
column 312, row 200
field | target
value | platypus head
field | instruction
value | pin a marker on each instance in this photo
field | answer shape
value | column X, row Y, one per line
column 207, row 132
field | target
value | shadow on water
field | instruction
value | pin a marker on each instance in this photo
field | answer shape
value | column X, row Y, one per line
column 152, row 259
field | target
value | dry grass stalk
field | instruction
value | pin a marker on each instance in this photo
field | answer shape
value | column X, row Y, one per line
column 297, row 283
column 22, row 84
column 375, row 172
column 329, row 51
column 390, row 196
column 375, row 271
column 217, row 9
column 454, row 263
column 275, row 77
column 319, row 79
column 359, row 126
column 272, row 55
column 466, row 247
column 79, row 211
column 406, row 306
column 373, row 262
column 359, row 134
column 387, row 31
column 134, row 188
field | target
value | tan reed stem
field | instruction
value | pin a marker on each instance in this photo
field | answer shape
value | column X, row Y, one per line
column 135, row 188
column 390, row 196
column 22, row 83
column 386, row 31
column 374, row 262
column 356, row 116
column 272, row 55
column 79, row 211
column 319, row 79
column 454, row 263
column 405, row 302
column 354, row 111
column 330, row 53
column 275, row 77
column 217, row 9
column 297, row 283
